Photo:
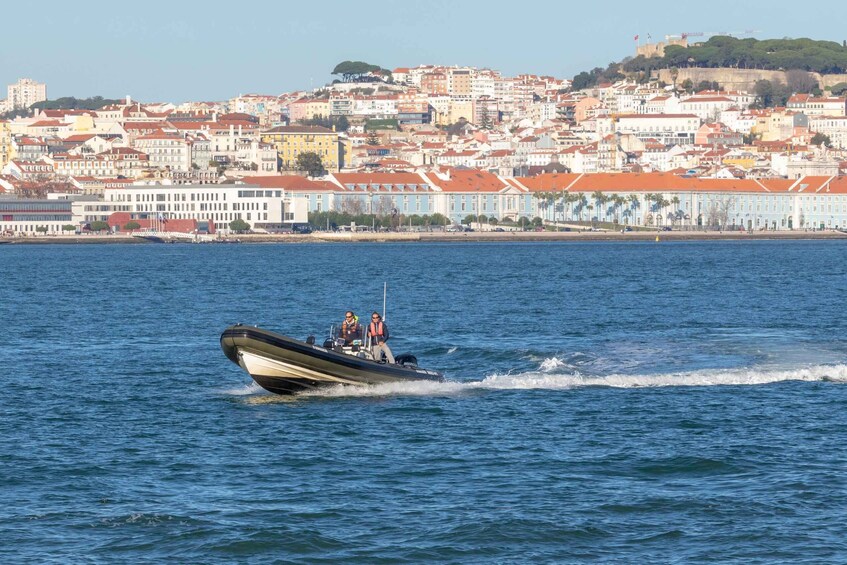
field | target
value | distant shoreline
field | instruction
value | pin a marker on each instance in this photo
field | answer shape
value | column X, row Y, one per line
column 445, row 237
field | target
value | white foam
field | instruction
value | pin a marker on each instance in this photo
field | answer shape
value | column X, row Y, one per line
column 546, row 380
column 550, row 365
column 244, row 390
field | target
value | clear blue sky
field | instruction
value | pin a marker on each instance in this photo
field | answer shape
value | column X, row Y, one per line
column 192, row 50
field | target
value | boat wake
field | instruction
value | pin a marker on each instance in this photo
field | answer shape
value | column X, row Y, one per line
column 549, row 376
column 244, row 390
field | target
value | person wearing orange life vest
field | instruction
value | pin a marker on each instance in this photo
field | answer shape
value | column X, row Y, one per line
column 350, row 328
column 378, row 332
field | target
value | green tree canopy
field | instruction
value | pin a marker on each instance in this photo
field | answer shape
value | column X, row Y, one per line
column 839, row 88
column 769, row 54
column 71, row 103
column 239, row 225
column 354, row 70
column 311, row 163
column 339, row 123
column 819, row 138
column 438, row 219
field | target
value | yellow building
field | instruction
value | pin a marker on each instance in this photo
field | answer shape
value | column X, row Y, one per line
column 460, row 109
column 291, row 141
column 746, row 162
column 5, row 144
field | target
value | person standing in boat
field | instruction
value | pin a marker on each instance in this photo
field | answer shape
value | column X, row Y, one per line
column 350, row 328
column 378, row 332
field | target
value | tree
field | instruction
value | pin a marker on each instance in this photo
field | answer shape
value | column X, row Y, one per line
column 438, row 219
column 69, row 227
column 601, row 200
column 582, row 81
column 99, row 226
column 41, row 229
column 339, row 123
column 801, row 81
column 839, row 88
column 484, row 119
column 132, row 225
column 311, row 163
column 238, row 225
column 687, row 85
column 373, row 138
column 352, row 71
column 674, row 75
column 819, row 138
column 71, row 103
column 469, row 219
column 764, row 90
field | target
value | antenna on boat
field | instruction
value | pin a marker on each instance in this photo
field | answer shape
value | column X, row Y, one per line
column 384, row 295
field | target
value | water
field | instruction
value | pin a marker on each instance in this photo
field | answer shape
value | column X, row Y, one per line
column 605, row 402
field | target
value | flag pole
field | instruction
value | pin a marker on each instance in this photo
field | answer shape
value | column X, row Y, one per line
column 384, row 295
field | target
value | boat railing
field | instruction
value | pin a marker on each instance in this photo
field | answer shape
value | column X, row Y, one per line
column 359, row 345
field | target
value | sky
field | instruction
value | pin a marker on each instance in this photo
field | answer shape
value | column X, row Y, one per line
column 182, row 50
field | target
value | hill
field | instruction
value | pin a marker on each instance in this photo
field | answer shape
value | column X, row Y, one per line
column 824, row 57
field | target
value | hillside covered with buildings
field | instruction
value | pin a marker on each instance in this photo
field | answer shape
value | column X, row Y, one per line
column 435, row 141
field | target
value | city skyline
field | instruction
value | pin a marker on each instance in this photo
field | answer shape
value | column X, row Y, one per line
column 175, row 52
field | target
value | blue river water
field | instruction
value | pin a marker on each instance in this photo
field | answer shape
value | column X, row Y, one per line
column 605, row 402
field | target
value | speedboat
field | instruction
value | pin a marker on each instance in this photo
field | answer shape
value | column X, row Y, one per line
column 284, row 365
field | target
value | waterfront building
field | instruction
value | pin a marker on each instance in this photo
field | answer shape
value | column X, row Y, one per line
column 663, row 199
column 213, row 206
column 34, row 217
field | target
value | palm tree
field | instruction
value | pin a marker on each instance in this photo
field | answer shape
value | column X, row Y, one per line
column 661, row 203
column 542, row 199
column 571, row 199
column 583, row 202
column 618, row 201
column 601, row 199
column 634, row 202
column 675, row 202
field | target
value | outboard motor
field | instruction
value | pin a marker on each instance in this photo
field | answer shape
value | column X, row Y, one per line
column 310, row 340
column 406, row 360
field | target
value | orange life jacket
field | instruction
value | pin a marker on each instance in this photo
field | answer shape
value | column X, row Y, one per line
column 377, row 330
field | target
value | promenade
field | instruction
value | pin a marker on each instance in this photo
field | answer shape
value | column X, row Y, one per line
column 460, row 237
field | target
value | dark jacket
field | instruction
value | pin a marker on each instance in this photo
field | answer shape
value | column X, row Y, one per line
column 350, row 330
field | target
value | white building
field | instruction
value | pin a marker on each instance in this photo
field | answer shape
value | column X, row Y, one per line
column 25, row 93
column 166, row 151
column 220, row 204
column 706, row 107
column 833, row 126
column 666, row 128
